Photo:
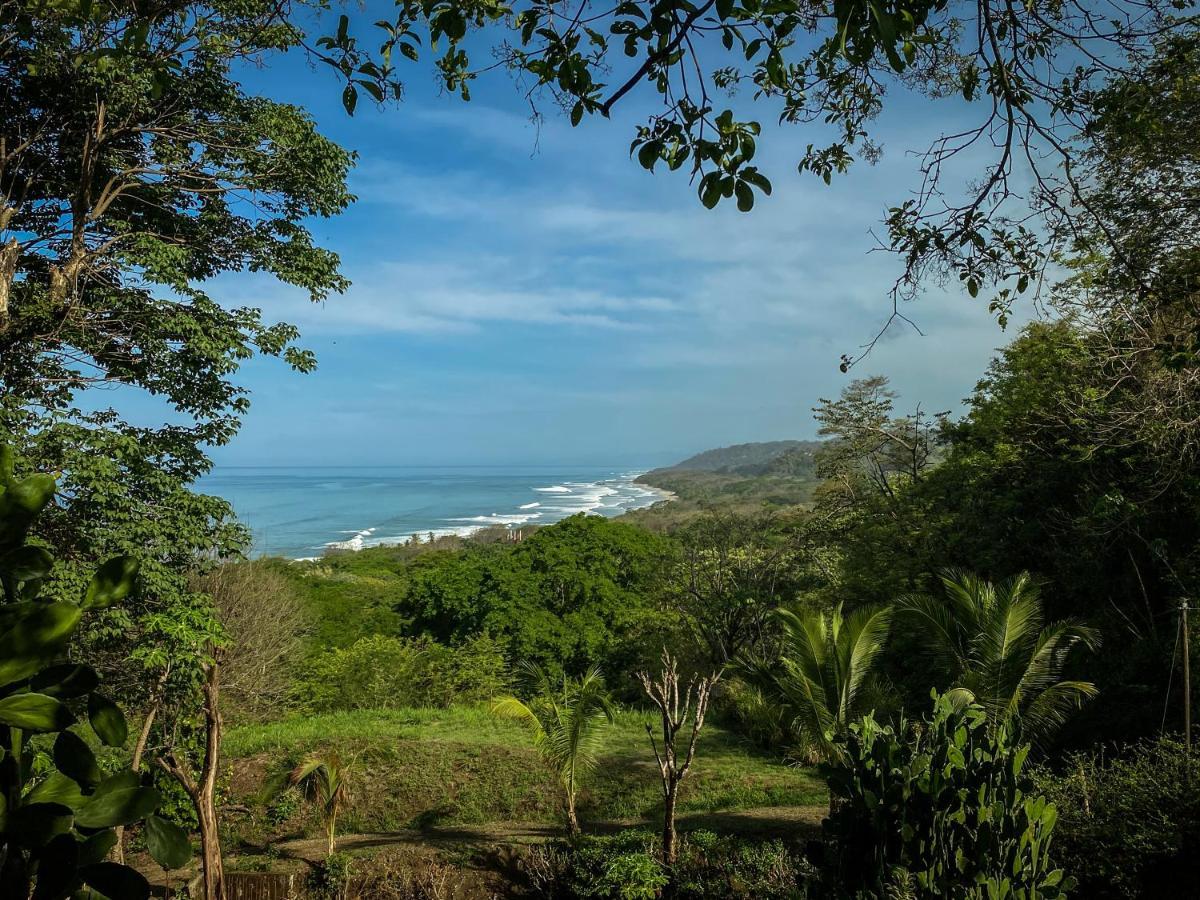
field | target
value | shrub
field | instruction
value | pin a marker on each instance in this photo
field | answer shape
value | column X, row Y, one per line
column 330, row 878
column 946, row 803
column 1129, row 823
column 380, row 672
column 714, row 868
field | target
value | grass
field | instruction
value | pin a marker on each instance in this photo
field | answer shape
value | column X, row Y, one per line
column 460, row 766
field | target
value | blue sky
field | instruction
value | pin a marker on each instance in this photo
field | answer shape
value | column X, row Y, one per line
column 529, row 294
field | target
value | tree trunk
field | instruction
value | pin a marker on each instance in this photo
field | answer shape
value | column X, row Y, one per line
column 669, row 849
column 572, row 819
column 202, row 792
column 139, row 750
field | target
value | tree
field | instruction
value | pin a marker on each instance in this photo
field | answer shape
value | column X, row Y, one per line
column 567, row 723
column 324, row 780
column 134, row 170
column 735, row 571
column 1027, row 72
column 821, row 674
column 61, row 815
column 1001, row 656
column 677, row 709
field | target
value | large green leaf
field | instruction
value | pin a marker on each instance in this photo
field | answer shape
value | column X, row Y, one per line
column 37, row 633
column 65, row 680
column 96, row 848
column 57, row 869
column 168, row 843
column 34, row 824
column 119, row 800
column 112, row 582
column 27, row 563
column 35, row 712
column 115, row 881
column 75, row 759
column 107, row 720
column 58, row 788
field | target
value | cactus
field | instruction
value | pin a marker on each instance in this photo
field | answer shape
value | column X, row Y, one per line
column 942, row 806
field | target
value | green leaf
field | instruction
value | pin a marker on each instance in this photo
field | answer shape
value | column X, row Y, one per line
column 350, row 99
column 40, row 631
column 96, row 848
column 65, row 680
column 27, row 563
column 57, row 788
column 57, row 865
column 35, row 712
column 745, row 196
column 34, row 824
column 74, row 758
column 168, row 843
column 116, row 881
column 112, row 582
column 119, row 800
column 107, row 720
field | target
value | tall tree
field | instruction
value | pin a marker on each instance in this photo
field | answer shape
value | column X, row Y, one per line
column 133, row 170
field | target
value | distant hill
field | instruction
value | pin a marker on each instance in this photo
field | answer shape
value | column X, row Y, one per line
column 763, row 458
column 744, row 477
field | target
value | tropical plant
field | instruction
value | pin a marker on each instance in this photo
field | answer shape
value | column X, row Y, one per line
column 324, row 780
column 567, row 722
column 945, row 805
column 823, row 667
column 59, row 819
column 992, row 638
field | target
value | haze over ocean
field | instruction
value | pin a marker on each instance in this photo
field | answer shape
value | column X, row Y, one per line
column 301, row 511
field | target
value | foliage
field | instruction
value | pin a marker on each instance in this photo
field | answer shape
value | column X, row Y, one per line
column 1001, row 656
column 822, row 673
column 947, row 803
column 329, row 879
column 58, row 819
column 712, row 867
column 569, row 597
column 134, row 169
column 568, row 722
column 1129, row 819
column 324, row 781
column 622, row 867
column 382, row 672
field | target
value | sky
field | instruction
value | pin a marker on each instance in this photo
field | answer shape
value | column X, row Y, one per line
column 527, row 294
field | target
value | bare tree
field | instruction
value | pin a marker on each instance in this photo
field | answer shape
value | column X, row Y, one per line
column 263, row 622
column 677, row 709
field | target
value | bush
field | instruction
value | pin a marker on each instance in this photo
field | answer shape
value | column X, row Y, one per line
column 1129, row 823
column 330, row 878
column 945, row 805
column 380, row 672
column 626, row 867
column 714, row 868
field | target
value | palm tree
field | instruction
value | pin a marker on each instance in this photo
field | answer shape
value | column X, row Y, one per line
column 567, row 723
column 324, row 780
column 991, row 637
column 822, row 670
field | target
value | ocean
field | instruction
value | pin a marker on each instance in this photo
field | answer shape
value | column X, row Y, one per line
column 300, row 512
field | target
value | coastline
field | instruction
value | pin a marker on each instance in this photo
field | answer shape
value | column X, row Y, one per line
column 535, row 514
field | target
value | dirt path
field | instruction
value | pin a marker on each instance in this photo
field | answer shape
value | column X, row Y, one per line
column 764, row 822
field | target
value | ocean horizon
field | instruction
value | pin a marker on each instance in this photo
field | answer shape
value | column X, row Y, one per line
column 303, row 511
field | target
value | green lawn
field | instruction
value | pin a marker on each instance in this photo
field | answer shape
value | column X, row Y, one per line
column 462, row 766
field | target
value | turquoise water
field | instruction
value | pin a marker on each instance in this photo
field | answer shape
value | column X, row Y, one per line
column 303, row 511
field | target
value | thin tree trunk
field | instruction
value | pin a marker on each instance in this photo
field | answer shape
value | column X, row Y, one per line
column 572, row 819
column 669, row 850
column 202, row 792
column 139, row 750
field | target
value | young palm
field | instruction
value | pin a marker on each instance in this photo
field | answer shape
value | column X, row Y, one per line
column 992, row 638
column 324, row 780
column 823, row 668
column 567, row 723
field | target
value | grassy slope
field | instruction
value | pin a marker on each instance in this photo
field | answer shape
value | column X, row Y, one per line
column 462, row 766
